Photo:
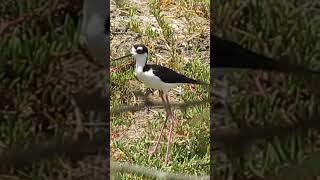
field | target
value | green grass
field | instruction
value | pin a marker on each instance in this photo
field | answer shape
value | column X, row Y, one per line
column 292, row 31
column 190, row 152
column 35, row 91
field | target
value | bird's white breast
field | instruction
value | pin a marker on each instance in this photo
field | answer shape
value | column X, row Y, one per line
column 154, row 82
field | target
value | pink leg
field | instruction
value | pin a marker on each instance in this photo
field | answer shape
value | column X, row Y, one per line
column 172, row 127
column 154, row 149
column 259, row 86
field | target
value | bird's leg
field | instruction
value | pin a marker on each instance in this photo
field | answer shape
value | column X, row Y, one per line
column 154, row 149
column 258, row 84
column 172, row 127
column 164, row 103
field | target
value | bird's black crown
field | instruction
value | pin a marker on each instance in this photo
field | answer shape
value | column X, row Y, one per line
column 140, row 48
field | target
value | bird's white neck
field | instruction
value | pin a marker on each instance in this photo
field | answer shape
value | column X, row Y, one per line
column 141, row 60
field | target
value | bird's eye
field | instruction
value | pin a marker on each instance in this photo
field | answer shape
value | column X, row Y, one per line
column 139, row 51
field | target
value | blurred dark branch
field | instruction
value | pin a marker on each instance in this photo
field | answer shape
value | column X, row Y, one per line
column 135, row 108
column 19, row 157
column 228, row 137
column 74, row 149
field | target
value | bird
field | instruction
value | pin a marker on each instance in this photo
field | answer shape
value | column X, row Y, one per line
column 163, row 79
column 229, row 56
column 95, row 32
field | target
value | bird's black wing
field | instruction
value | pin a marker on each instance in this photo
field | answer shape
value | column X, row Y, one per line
column 227, row 54
column 168, row 75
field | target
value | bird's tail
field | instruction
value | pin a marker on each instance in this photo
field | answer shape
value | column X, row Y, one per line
column 202, row 83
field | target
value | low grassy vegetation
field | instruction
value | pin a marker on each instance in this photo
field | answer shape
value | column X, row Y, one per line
column 276, row 29
column 41, row 67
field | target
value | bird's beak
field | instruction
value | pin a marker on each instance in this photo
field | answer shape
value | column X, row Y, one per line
column 122, row 57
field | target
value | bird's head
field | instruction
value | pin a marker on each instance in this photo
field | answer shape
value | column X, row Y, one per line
column 140, row 53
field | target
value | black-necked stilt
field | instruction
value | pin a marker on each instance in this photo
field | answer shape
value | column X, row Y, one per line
column 163, row 79
column 95, row 32
column 228, row 55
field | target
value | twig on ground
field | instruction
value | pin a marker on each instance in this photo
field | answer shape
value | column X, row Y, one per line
column 124, row 167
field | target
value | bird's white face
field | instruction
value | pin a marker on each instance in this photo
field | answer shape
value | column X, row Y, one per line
column 139, row 54
column 134, row 51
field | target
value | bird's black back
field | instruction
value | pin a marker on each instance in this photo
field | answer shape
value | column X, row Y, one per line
column 228, row 54
column 168, row 75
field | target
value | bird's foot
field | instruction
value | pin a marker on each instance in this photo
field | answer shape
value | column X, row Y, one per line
column 259, row 86
column 166, row 161
column 152, row 151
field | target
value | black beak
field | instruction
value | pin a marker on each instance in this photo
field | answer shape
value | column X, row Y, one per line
column 121, row 57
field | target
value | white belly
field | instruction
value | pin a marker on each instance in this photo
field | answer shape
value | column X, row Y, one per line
column 152, row 81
